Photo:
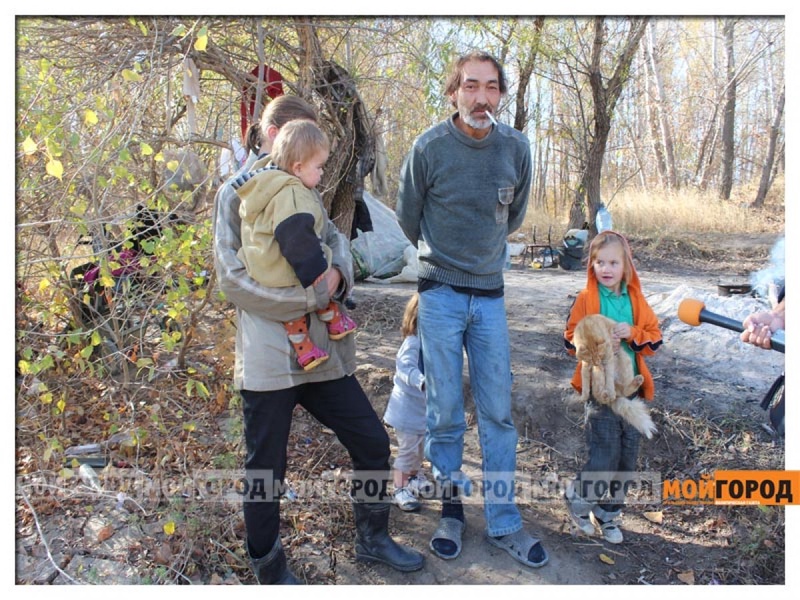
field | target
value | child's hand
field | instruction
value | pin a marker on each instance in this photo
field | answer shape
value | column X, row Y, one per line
column 621, row 331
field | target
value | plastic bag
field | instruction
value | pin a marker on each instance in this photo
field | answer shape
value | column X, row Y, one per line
column 379, row 253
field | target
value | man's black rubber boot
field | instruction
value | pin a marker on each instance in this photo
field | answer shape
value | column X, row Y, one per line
column 373, row 542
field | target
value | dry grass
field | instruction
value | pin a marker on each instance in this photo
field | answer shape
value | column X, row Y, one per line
column 648, row 214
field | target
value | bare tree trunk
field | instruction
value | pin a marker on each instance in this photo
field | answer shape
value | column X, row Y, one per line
column 543, row 161
column 525, row 67
column 703, row 170
column 655, row 138
column 661, row 122
column 605, row 101
column 345, row 116
column 728, row 115
column 766, row 171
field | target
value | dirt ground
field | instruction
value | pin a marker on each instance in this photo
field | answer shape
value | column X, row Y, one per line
column 706, row 410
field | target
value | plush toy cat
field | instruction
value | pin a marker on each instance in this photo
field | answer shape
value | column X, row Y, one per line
column 608, row 375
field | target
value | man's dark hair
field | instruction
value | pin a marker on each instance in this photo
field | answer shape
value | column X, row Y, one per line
column 454, row 78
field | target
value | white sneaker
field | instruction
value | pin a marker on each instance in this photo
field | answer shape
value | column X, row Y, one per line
column 405, row 500
column 579, row 511
column 419, row 485
column 610, row 529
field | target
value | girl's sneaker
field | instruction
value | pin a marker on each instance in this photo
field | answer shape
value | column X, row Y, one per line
column 610, row 529
column 421, row 486
column 405, row 500
column 579, row 510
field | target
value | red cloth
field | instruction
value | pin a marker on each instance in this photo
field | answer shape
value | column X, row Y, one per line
column 274, row 82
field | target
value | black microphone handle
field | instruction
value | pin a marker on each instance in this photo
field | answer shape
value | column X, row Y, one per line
column 720, row 320
column 777, row 342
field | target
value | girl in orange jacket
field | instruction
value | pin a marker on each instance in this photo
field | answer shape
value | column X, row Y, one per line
column 612, row 289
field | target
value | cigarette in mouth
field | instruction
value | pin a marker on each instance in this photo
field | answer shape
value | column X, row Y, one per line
column 491, row 118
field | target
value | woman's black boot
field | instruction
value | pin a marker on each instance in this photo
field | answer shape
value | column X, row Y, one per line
column 373, row 542
column 272, row 568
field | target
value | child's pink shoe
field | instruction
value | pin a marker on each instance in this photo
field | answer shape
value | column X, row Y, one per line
column 339, row 324
column 313, row 358
column 309, row 355
column 341, row 327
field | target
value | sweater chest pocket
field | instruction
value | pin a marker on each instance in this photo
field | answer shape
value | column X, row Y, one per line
column 505, row 196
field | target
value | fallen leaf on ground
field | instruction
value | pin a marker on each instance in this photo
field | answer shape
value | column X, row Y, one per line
column 687, row 577
column 606, row 559
column 163, row 554
column 655, row 516
column 105, row 533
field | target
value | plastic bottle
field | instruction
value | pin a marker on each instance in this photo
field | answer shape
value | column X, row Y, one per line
column 603, row 219
column 89, row 476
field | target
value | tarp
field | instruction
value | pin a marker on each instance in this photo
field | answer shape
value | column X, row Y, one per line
column 380, row 253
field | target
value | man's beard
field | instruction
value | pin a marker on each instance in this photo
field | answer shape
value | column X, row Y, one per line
column 476, row 122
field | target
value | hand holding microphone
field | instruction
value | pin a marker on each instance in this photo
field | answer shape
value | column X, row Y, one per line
column 693, row 312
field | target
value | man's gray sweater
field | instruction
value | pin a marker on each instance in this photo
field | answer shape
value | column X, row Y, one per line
column 460, row 197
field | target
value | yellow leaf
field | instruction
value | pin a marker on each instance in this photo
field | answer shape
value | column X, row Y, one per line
column 159, row 157
column 179, row 31
column 169, row 527
column 90, row 117
column 146, row 149
column 202, row 40
column 687, row 577
column 61, row 405
column 55, row 168
column 173, row 165
column 129, row 75
column 189, row 427
column 28, row 146
column 607, row 559
column 43, row 285
column 79, row 208
column 46, row 398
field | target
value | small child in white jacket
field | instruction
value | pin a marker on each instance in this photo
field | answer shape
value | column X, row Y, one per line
column 406, row 413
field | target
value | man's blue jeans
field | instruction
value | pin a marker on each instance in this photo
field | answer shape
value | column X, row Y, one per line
column 450, row 322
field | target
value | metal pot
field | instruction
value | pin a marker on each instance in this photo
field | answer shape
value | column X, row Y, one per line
column 729, row 289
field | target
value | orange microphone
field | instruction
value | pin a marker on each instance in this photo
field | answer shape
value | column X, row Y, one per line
column 693, row 312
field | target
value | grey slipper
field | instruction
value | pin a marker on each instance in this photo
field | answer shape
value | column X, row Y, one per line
column 449, row 529
column 518, row 545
